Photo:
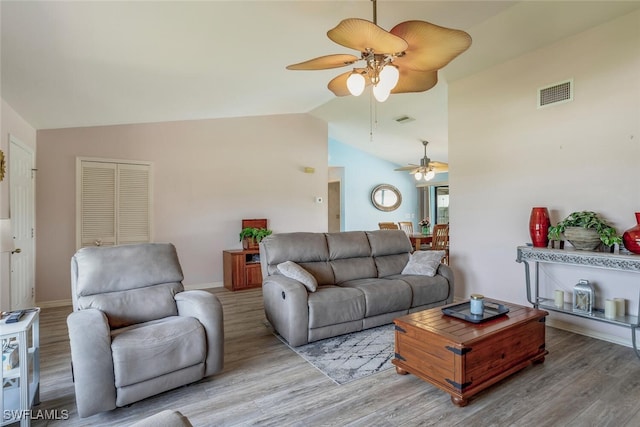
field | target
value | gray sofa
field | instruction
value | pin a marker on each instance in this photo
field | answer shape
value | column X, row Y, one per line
column 359, row 279
column 134, row 331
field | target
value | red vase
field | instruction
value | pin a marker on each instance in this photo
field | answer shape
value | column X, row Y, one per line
column 539, row 224
column 631, row 237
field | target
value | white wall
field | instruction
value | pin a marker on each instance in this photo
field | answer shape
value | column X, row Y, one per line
column 11, row 123
column 506, row 156
column 208, row 176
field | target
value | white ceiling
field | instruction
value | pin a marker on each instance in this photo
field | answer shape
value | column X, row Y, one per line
column 87, row 63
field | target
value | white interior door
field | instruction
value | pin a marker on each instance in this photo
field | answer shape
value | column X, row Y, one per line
column 21, row 207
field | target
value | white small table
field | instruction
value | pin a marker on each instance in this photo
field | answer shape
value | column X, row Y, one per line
column 23, row 382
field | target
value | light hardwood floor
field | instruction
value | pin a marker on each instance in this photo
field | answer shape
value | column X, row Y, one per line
column 583, row 382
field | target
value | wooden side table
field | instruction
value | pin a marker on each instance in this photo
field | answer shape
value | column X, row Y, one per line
column 241, row 269
column 20, row 387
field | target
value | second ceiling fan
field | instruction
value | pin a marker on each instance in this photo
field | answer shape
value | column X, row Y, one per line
column 427, row 168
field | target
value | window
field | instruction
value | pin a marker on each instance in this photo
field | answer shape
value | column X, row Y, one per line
column 113, row 202
column 434, row 203
column 442, row 204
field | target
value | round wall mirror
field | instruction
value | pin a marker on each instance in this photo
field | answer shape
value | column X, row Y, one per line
column 386, row 197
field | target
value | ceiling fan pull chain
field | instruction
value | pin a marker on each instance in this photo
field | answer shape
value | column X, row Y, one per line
column 371, row 116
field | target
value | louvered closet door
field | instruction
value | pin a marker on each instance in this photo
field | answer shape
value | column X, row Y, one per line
column 133, row 204
column 98, row 204
column 114, row 205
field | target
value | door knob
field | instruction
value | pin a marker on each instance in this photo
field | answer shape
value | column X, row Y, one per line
column 17, row 251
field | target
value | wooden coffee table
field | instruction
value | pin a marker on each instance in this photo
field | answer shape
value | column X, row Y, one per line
column 463, row 358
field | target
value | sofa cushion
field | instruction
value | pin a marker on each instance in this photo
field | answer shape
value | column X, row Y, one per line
column 148, row 350
column 388, row 265
column 348, row 244
column 388, row 242
column 294, row 271
column 138, row 266
column 331, row 305
column 124, row 308
column 353, row 268
column 426, row 289
column 424, row 263
column 297, row 247
column 382, row 295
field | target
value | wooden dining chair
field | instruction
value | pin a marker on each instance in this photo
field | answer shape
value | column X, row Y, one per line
column 440, row 240
column 406, row 226
column 388, row 226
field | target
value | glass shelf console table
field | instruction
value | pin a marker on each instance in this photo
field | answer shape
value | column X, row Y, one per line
column 604, row 260
column 20, row 388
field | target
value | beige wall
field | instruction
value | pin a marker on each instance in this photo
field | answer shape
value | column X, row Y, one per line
column 11, row 124
column 506, row 156
column 208, row 175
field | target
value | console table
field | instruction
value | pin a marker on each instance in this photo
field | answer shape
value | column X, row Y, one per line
column 610, row 261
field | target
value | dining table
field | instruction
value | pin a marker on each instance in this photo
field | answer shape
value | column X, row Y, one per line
column 417, row 239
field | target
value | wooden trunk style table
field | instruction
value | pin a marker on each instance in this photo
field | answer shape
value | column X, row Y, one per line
column 463, row 358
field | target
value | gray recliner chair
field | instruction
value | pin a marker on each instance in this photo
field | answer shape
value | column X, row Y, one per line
column 134, row 331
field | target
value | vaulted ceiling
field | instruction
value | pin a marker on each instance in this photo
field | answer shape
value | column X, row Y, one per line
column 87, row 63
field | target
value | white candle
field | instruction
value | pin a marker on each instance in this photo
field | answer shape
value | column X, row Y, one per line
column 620, row 306
column 609, row 309
column 558, row 299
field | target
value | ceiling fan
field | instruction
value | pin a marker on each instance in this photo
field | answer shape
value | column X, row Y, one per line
column 427, row 169
column 405, row 59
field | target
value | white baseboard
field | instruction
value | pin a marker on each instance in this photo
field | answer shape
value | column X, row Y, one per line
column 570, row 327
column 203, row 286
column 68, row 302
column 52, row 304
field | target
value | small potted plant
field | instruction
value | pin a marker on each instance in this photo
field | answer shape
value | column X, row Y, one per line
column 251, row 236
column 425, row 224
column 585, row 231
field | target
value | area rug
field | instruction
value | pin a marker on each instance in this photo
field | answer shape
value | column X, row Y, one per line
column 352, row 356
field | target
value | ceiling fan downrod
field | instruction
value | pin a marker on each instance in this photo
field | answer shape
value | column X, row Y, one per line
column 375, row 12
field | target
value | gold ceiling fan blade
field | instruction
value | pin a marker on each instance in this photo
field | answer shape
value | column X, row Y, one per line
column 325, row 62
column 439, row 166
column 415, row 81
column 360, row 34
column 338, row 85
column 431, row 46
column 407, row 168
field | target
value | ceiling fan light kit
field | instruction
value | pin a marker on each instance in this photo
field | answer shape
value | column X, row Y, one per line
column 405, row 59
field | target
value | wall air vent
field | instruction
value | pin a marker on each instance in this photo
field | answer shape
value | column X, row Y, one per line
column 556, row 93
column 404, row 119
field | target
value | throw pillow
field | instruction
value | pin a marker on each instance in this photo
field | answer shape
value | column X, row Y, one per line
column 294, row 271
column 424, row 263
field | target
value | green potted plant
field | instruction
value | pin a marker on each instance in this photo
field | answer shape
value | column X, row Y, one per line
column 251, row 236
column 585, row 230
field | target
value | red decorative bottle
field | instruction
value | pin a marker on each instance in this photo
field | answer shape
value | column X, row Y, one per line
column 631, row 237
column 539, row 224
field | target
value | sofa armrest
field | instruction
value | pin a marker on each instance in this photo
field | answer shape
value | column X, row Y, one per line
column 92, row 362
column 286, row 308
column 446, row 271
column 206, row 307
